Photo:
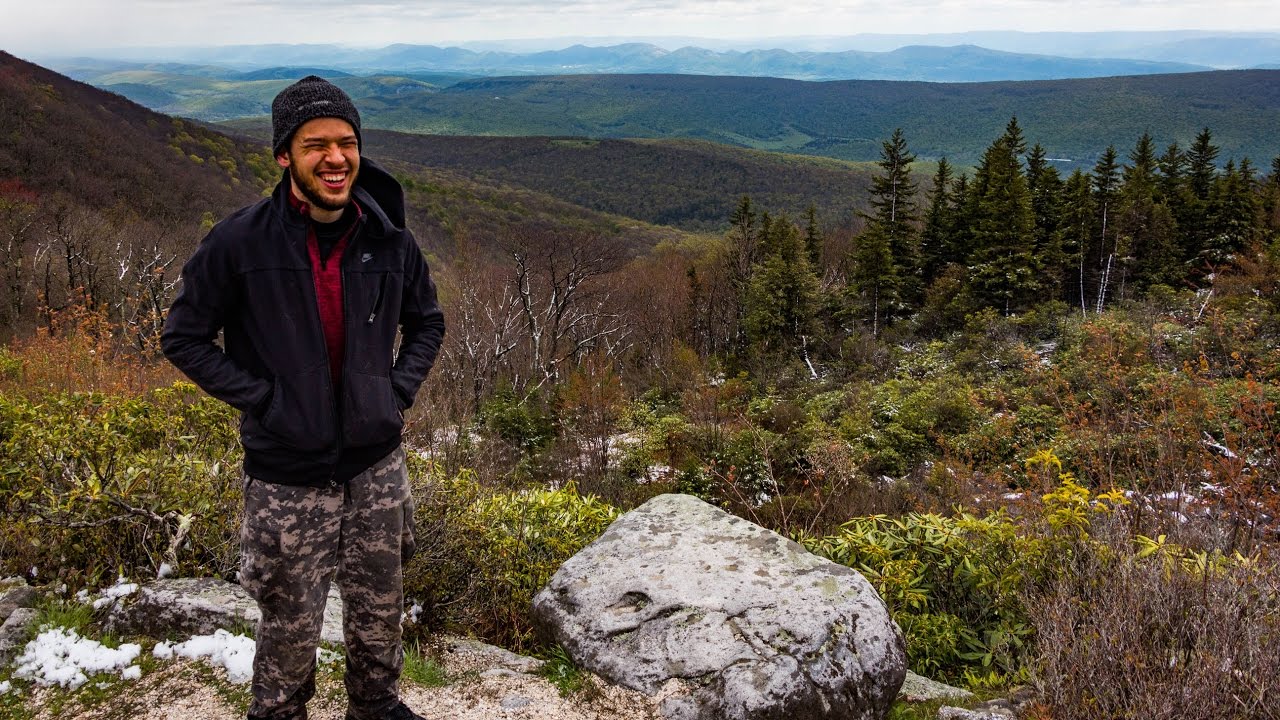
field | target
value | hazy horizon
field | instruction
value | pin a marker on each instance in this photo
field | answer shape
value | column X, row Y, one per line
column 70, row 27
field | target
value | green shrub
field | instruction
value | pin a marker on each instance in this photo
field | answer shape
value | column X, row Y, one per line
column 952, row 583
column 489, row 554
column 96, row 485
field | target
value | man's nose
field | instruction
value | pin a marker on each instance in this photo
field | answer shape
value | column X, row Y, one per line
column 333, row 153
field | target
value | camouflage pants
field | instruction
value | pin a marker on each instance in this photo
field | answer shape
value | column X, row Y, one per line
column 294, row 540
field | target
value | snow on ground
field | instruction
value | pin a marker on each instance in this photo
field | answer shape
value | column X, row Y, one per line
column 122, row 588
column 59, row 656
column 233, row 652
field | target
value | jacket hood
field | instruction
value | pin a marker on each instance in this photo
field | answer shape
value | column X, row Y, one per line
column 382, row 194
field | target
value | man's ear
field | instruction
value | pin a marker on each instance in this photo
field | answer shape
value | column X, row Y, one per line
column 282, row 160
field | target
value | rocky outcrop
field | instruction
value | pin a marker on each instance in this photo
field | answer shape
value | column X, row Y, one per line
column 199, row 606
column 745, row 623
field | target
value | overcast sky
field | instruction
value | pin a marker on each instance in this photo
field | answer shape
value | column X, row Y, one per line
column 55, row 26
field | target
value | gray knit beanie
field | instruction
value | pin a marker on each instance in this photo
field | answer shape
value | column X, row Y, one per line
column 309, row 98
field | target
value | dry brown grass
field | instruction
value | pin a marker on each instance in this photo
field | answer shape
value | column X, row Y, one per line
column 1123, row 637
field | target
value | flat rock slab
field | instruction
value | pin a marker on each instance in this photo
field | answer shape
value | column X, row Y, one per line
column 199, row 606
column 917, row 688
column 749, row 624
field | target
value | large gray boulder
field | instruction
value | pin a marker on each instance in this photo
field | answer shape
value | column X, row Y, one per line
column 746, row 623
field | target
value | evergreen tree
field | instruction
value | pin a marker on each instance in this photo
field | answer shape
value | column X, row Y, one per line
column 743, row 253
column 1194, row 218
column 1003, row 261
column 964, row 207
column 935, row 238
column 1201, row 165
column 872, row 293
column 1145, row 230
column 1077, row 230
column 782, row 297
column 1234, row 211
column 813, row 239
column 1045, row 186
column 1270, row 202
column 893, row 213
column 1013, row 136
column 1103, row 249
column 1172, row 166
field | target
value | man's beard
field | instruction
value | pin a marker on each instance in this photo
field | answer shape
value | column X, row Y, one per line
column 314, row 193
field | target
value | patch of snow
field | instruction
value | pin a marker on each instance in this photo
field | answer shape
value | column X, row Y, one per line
column 59, row 656
column 5, row 687
column 122, row 588
column 163, row 650
column 166, row 570
column 655, row 473
column 324, row 656
column 415, row 612
column 1218, row 447
column 233, row 652
column 133, row 672
column 1013, row 496
column 83, row 596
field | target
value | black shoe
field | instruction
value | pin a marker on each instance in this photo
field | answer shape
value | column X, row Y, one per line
column 402, row 712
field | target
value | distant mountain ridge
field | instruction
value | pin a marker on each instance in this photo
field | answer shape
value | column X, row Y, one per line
column 958, row 63
column 1074, row 119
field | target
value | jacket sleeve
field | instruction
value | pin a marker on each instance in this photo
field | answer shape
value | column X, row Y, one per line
column 198, row 313
column 421, row 328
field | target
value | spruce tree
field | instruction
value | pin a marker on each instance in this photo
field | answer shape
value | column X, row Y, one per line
column 935, row 238
column 1234, row 214
column 872, row 293
column 1145, row 229
column 1003, row 262
column 782, row 296
column 1103, row 249
column 1045, row 186
column 1077, row 230
column 893, row 212
column 813, row 239
column 1194, row 219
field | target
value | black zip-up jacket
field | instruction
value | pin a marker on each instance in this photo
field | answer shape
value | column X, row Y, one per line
column 251, row 279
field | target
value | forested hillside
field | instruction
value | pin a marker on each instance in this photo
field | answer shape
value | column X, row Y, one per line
column 688, row 184
column 1074, row 119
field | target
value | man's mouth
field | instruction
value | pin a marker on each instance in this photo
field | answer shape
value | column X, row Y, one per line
column 333, row 180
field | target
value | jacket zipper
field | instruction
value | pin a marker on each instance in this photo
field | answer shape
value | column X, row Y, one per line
column 377, row 302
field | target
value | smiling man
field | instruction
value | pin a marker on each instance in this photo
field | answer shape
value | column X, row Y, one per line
column 309, row 288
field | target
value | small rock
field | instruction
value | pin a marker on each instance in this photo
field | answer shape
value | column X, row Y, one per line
column 515, row 702
column 954, row 713
column 17, row 596
column 13, row 633
column 918, row 689
column 495, row 656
